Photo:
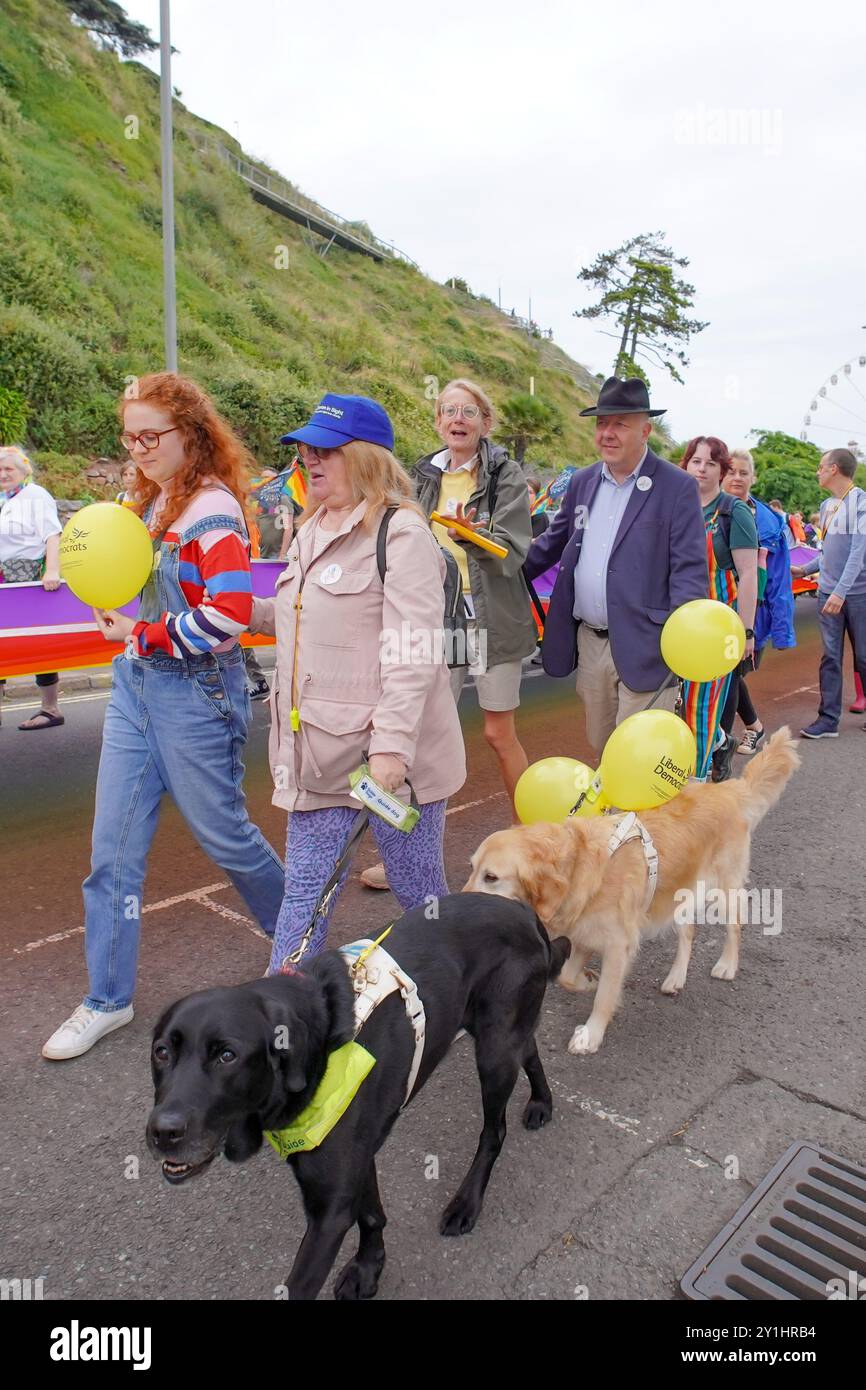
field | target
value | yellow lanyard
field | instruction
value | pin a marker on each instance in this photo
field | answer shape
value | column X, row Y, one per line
column 295, row 716
column 826, row 528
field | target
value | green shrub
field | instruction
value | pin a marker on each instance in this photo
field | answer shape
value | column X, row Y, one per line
column 263, row 308
column 40, row 360
column 13, row 416
column 261, row 409
column 35, row 276
column 9, row 169
column 63, row 475
column 88, row 425
column 10, row 112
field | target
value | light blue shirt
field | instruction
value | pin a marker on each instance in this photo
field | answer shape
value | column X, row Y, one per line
column 600, row 531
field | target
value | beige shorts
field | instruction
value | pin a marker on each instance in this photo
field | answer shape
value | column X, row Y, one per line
column 498, row 688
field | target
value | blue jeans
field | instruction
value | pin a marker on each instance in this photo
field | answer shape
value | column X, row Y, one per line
column 833, row 628
column 176, row 726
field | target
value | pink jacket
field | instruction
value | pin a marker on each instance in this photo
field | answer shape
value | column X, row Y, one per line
column 359, row 666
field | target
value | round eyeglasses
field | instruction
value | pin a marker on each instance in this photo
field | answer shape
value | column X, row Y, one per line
column 148, row 439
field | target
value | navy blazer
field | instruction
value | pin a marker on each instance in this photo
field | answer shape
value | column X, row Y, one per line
column 658, row 561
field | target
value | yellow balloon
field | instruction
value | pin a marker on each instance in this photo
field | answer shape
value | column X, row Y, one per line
column 548, row 789
column 106, row 554
column 703, row 640
column 647, row 760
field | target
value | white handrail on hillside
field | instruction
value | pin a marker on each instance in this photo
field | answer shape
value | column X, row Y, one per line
column 252, row 174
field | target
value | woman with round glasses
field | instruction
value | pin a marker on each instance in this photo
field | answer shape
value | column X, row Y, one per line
column 477, row 483
column 179, row 710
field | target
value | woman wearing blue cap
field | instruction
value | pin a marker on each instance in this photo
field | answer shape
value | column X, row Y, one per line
column 360, row 674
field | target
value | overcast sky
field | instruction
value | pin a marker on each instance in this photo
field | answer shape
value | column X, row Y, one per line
column 509, row 143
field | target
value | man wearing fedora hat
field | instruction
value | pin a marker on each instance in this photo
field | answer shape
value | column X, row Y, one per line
column 629, row 538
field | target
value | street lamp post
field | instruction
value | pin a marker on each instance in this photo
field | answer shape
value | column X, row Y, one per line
column 167, row 160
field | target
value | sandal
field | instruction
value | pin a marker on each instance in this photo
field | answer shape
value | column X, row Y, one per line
column 52, row 721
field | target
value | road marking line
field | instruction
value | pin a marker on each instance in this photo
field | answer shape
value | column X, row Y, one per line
column 67, row 700
column 194, row 895
column 467, row 805
column 202, row 897
column 595, row 1107
column 46, row 941
column 788, row 693
column 184, row 897
column 233, row 916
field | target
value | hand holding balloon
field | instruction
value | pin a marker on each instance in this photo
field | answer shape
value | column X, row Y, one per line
column 106, row 555
column 115, row 627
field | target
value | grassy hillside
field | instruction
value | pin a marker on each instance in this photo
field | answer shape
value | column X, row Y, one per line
column 81, row 291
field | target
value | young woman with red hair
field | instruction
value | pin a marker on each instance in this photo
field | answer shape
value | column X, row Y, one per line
column 178, row 714
column 710, row 707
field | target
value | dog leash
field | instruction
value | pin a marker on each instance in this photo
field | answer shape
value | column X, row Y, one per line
column 324, row 899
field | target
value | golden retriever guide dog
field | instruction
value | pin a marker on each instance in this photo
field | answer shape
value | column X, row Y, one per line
column 597, row 898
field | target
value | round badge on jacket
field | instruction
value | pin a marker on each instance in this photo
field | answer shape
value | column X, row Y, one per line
column 644, row 484
column 330, row 575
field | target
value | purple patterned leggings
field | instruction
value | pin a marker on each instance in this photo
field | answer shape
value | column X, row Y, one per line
column 414, row 864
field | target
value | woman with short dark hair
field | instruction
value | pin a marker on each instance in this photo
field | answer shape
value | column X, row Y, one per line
column 710, row 707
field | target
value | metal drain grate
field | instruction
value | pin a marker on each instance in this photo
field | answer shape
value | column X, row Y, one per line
column 802, row 1226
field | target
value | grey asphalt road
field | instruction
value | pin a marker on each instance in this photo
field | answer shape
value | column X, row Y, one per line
column 613, row 1200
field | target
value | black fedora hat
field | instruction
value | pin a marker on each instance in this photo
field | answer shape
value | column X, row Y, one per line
column 622, row 398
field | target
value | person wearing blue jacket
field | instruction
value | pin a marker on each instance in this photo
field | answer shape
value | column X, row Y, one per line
column 774, row 620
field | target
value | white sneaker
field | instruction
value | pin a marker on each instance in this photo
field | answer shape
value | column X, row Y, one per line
column 82, row 1029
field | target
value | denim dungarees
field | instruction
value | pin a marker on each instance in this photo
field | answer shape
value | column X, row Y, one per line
column 176, row 725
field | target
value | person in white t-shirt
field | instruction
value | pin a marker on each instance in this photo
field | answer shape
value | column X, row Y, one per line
column 30, row 540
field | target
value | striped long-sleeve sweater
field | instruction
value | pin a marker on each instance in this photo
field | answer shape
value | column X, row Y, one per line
column 215, row 580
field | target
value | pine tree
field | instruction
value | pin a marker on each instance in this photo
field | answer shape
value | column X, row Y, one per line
column 643, row 295
column 112, row 26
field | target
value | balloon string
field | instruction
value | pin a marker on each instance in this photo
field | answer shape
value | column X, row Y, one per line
column 668, row 680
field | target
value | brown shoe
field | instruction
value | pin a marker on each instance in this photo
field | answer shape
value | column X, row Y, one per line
column 376, row 877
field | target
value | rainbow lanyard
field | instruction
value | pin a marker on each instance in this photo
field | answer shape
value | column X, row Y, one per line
column 723, row 583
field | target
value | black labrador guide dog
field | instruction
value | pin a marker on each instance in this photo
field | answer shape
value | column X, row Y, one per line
column 220, row 1080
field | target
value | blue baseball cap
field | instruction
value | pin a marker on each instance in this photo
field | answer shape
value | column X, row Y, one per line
column 338, row 420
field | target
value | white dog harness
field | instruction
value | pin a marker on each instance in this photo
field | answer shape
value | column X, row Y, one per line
column 630, row 828
column 375, row 974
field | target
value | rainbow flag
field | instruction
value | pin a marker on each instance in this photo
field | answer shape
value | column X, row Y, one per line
column 52, row 630
column 550, row 497
column 296, row 483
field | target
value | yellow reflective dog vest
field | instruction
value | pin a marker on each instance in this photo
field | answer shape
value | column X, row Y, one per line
column 375, row 974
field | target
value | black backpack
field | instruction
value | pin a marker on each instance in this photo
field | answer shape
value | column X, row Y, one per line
column 725, row 511
column 454, row 611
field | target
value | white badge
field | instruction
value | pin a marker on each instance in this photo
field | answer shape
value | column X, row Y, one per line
column 330, row 575
column 644, row 484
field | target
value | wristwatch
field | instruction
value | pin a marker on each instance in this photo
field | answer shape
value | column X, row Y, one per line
column 750, row 632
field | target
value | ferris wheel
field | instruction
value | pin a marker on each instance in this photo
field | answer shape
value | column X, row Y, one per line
column 837, row 415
